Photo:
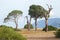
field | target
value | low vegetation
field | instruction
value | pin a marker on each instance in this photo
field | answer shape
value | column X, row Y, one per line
column 57, row 33
column 5, row 26
column 51, row 28
column 17, row 29
column 26, row 26
column 7, row 33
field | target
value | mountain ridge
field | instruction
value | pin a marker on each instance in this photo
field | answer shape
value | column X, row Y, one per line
column 51, row 21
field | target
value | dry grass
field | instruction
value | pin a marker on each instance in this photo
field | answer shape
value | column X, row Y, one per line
column 39, row 32
column 38, row 35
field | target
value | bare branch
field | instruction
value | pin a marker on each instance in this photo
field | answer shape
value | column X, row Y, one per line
column 49, row 7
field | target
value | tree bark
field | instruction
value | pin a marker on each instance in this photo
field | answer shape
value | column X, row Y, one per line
column 46, row 22
column 35, row 24
column 30, row 20
column 28, row 24
column 16, row 24
column 46, row 17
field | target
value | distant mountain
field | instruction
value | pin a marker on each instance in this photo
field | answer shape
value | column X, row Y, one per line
column 52, row 21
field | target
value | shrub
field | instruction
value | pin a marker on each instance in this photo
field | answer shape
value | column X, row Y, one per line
column 9, row 34
column 10, row 27
column 26, row 26
column 50, row 28
column 5, row 26
column 57, row 34
column 17, row 29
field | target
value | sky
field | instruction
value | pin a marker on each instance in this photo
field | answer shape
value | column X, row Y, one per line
column 6, row 6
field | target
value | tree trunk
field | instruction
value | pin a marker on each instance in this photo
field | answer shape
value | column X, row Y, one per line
column 30, row 20
column 16, row 24
column 28, row 24
column 46, row 22
column 46, row 17
column 35, row 24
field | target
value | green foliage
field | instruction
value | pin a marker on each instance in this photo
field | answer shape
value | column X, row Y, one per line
column 50, row 28
column 36, row 11
column 7, row 33
column 10, row 27
column 13, row 15
column 17, row 29
column 57, row 33
column 26, row 26
column 6, row 26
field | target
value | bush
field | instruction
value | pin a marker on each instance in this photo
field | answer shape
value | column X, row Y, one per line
column 50, row 28
column 5, row 26
column 17, row 29
column 26, row 26
column 10, row 27
column 57, row 33
column 9, row 34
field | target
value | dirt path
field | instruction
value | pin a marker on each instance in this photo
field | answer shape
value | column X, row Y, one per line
column 39, row 35
column 42, row 38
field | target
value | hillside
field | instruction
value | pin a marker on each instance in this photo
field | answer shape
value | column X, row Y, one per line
column 52, row 21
